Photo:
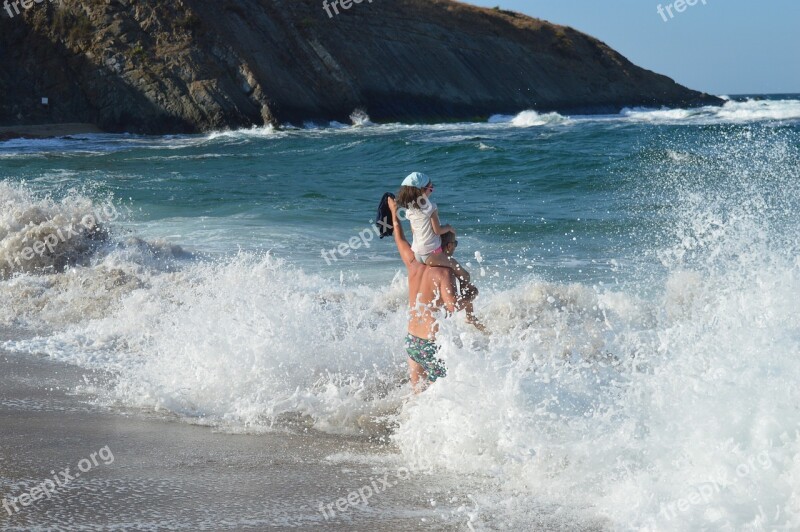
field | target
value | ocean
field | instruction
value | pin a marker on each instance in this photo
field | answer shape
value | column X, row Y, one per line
column 639, row 273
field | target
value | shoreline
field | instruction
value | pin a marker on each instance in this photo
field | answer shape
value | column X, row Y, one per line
column 47, row 131
column 152, row 471
column 171, row 474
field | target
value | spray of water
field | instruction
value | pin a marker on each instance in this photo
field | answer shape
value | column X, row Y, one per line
column 663, row 403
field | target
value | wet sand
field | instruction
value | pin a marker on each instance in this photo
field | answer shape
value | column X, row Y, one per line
column 170, row 474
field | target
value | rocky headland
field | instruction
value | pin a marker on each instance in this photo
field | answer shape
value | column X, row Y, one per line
column 188, row 66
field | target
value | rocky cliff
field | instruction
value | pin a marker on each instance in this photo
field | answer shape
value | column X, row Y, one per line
column 196, row 65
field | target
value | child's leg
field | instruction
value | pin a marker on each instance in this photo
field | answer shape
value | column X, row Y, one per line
column 461, row 273
column 440, row 260
column 468, row 293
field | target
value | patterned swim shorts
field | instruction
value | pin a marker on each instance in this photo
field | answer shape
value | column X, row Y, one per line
column 423, row 352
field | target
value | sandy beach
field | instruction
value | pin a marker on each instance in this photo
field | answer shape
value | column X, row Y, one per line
column 167, row 473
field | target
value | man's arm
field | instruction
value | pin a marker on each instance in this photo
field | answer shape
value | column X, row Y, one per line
column 399, row 238
column 446, row 284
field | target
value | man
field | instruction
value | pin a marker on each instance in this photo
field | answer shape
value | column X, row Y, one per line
column 429, row 290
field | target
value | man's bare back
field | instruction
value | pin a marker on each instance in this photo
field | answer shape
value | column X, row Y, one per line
column 429, row 290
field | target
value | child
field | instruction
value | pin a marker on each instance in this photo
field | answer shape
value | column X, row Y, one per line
column 424, row 217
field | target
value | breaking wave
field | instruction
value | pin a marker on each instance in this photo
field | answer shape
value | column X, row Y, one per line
column 635, row 399
column 732, row 112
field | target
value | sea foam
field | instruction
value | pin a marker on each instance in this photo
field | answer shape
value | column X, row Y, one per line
column 631, row 401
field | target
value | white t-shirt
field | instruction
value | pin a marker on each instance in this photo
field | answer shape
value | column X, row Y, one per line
column 425, row 240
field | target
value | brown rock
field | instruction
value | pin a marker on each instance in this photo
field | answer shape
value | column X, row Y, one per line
column 195, row 65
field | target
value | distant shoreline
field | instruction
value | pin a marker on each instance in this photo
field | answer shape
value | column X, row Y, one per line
column 46, row 131
column 55, row 130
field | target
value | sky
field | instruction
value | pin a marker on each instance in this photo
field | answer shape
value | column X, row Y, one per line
column 721, row 47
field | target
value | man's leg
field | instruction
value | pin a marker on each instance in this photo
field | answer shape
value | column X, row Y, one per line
column 419, row 379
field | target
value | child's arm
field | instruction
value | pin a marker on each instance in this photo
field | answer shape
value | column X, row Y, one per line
column 460, row 272
column 438, row 228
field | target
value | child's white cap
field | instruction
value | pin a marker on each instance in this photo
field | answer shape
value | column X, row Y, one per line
column 416, row 179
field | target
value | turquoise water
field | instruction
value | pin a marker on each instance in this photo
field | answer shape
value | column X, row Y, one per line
column 564, row 198
column 639, row 272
